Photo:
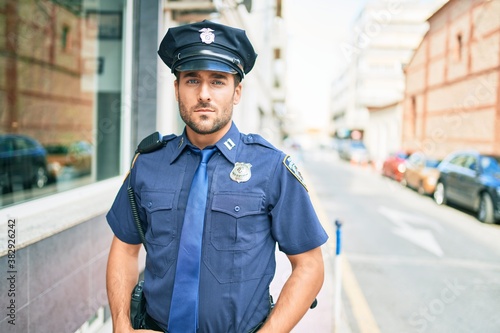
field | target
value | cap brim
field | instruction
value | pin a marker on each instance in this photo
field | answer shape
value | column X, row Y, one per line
column 205, row 65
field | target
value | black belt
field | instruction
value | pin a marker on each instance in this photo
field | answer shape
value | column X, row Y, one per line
column 152, row 325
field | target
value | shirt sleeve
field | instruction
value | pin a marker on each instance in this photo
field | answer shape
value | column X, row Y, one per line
column 120, row 217
column 295, row 224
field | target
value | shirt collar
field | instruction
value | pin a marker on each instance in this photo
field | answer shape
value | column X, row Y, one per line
column 178, row 146
column 227, row 145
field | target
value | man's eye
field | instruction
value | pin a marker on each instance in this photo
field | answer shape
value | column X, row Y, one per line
column 192, row 81
column 218, row 83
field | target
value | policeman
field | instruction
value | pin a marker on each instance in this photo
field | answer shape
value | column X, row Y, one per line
column 254, row 198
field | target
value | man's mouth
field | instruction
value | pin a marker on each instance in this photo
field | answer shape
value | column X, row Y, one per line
column 203, row 110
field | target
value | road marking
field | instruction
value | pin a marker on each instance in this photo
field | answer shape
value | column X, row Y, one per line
column 363, row 258
column 420, row 237
column 361, row 310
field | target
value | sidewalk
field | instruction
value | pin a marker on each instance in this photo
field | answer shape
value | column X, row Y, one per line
column 107, row 328
column 321, row 318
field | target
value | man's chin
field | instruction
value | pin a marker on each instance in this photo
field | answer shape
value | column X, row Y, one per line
column 204, row 130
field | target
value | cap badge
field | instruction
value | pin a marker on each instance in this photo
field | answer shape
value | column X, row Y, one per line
column 207, row 35
column 241, row 172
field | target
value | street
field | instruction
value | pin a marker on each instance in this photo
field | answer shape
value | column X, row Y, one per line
column 408, row 265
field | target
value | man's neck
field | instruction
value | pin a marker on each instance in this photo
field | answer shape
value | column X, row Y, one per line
column 204, row 140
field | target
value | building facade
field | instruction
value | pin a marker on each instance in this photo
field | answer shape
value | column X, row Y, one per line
column 452, row 83
column 386, row 33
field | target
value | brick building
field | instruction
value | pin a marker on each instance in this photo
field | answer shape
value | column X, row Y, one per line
column 42, row 87
column 452, row 97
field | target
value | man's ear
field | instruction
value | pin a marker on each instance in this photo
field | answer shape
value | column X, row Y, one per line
column 237, row 93
column 176, row 86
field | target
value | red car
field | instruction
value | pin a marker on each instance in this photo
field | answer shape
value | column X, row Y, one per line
column 394, row 165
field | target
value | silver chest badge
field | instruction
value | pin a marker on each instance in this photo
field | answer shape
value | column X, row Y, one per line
column 241, row 172
column 207, row 35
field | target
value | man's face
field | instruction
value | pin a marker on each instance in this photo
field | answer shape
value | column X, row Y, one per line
column 206, row 100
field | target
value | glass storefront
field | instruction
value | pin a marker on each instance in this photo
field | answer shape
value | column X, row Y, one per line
column 60, row 95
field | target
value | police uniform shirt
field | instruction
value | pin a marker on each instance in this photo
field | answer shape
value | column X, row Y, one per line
column 263, row 202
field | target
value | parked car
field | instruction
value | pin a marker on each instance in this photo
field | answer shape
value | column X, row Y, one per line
column 471, row 180
column 56, row 160
column 354, row 151
column 421, row 173
column 80, row 157
column 23, row 161
column 394, row 165
column 74, row 159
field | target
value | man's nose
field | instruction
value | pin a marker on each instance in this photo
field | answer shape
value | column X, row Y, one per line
column 204, row 92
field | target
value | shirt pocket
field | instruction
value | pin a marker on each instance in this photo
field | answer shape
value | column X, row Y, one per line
column 162, row 230
column 235, row 220
column 239, row 234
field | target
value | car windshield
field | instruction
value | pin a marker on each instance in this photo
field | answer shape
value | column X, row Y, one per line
column 491, row 165
column 357, row 145
column 431, row 163
column 401, row 155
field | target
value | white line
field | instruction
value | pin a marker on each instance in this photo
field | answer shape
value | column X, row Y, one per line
column 360, row 308
column 409, row 261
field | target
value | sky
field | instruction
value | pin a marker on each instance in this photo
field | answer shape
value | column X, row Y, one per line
column 316, row 29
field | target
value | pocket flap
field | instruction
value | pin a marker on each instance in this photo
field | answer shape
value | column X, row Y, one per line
column 157, row 200
column 237, row 205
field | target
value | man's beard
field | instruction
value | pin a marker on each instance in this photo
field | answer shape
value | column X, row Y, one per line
column 200, row 127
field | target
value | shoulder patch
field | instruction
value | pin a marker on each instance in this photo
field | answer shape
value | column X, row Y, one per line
column 294, row 170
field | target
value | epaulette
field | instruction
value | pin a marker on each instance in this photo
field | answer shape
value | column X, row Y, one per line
column 256, row 139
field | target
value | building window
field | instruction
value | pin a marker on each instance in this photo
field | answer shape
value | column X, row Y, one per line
column 277, row 83
column 59, row 119
column 459, row 47
column 278, row 8
column 413, row 119
column 277, row 53
column 65, row 38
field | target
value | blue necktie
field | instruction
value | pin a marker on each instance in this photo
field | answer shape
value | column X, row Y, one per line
column 183, row 316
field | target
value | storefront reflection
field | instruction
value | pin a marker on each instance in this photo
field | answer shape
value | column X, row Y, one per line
column 60, row 95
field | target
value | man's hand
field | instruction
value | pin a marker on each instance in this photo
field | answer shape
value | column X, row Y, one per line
column 298, row 293
column 121, row 277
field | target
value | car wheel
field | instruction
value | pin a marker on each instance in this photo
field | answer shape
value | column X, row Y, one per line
column 440, row 194
column 485, row 212
column 420, row 188
column 404, row 182
column 41, row 177
column 6, row 185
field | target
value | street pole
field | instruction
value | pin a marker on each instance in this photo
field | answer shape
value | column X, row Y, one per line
column 338, row 275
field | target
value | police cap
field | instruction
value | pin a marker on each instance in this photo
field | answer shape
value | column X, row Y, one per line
column 207, row 46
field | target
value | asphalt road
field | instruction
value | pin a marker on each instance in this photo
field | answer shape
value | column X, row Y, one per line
column 406, row 264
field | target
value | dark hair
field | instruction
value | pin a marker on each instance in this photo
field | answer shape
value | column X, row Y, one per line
column 237, row 79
